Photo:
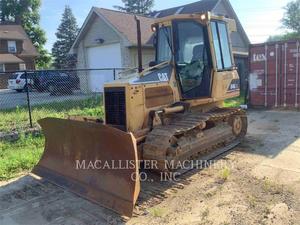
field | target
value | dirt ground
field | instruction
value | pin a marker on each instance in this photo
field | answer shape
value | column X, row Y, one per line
column 257, row 183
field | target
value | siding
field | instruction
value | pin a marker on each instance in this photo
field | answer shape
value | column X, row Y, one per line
column 148, row 56
column 99, row 29
column 4, row 77
column 19, row 45
column 81, row 64
column 3, row 80
column 29, row 62
column 3, row 46
column 4, row 49
column 125, row 54
column 12, row 67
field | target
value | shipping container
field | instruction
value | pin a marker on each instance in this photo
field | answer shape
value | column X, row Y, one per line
column 274, row 74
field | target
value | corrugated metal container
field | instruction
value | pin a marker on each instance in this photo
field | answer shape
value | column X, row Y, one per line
column 274, row 74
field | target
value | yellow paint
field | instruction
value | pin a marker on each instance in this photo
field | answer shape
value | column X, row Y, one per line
column 137, row 112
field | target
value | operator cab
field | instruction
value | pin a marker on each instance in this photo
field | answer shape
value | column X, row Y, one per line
column 185, row 43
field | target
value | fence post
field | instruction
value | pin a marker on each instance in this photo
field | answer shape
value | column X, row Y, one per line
column 28, row 99
column 114, row 73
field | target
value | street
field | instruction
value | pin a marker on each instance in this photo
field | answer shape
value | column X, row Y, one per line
column 10, row 99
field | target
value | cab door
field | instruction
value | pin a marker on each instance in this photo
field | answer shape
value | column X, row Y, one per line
column 192, row 59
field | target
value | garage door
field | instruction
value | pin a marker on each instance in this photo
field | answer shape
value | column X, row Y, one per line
column 107, row 56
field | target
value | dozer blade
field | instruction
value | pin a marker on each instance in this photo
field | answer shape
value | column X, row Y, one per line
column 93, row 160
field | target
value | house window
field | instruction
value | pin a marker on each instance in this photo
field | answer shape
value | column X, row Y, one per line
column 221, row 45
column 22, row 66
column 12, row 46
column 2, row 68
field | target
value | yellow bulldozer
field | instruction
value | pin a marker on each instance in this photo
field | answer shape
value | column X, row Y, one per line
column 165, row 114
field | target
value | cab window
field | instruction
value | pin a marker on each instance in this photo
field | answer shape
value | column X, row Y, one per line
column 192, row 62
column 164, row 52
column 221, row 45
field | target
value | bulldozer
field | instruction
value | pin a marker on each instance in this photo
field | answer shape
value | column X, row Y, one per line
column 168, row 113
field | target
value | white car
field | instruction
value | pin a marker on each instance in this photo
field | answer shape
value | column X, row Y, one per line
column 17, row 81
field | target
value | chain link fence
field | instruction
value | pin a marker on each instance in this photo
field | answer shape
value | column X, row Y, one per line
column 27, row 96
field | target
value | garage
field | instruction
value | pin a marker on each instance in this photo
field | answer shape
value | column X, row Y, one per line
column 106, row 56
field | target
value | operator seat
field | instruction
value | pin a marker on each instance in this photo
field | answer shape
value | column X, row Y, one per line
column 200, row 56
column 198, row 53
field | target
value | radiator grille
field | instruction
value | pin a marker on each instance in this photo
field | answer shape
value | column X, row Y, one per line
column 115, row 107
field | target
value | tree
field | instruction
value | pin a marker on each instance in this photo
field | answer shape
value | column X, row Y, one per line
column 284, row 37
column 66, row 35
column 26, row 13
column 136, row 6
column 290, row 21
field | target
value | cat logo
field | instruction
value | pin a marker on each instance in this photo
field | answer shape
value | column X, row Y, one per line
column 163, row 77
column 259, row 57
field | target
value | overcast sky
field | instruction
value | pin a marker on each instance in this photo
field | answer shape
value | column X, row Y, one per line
column 260, row 18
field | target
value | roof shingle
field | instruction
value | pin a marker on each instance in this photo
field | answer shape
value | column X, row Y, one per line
column 15, row 35
column 125, row 23
column 9, row 58
column 16, row 32
column 196, row 7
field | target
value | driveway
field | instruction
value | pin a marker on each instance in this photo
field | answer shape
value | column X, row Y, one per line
column 257, row 183
column 11, row 99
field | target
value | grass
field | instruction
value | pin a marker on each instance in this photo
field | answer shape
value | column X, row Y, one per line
column 19, row 156
column 272, row 187
column 234, row 102
column 205, row 213
column 157, row 212
column 225, row 173
column 22, row 155
column 17, row 119
column 252, row 201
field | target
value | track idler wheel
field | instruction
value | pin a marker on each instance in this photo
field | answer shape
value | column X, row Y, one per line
column 239, row 124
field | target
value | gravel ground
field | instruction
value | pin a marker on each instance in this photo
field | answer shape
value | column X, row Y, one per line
column 257, row 183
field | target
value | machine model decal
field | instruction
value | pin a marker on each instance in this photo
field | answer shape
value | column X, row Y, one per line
column 234, row 85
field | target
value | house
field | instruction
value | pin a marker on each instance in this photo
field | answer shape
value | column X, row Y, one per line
column 108, row 40
column 16, row 51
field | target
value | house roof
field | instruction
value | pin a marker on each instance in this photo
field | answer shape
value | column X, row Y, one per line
column 196, row 7
column 125, row 23
column 16, row 32
column 199, row 7
column 10, row 58
column 15, row 35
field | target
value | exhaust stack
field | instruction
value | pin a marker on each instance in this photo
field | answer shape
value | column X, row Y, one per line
column 139, row 42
